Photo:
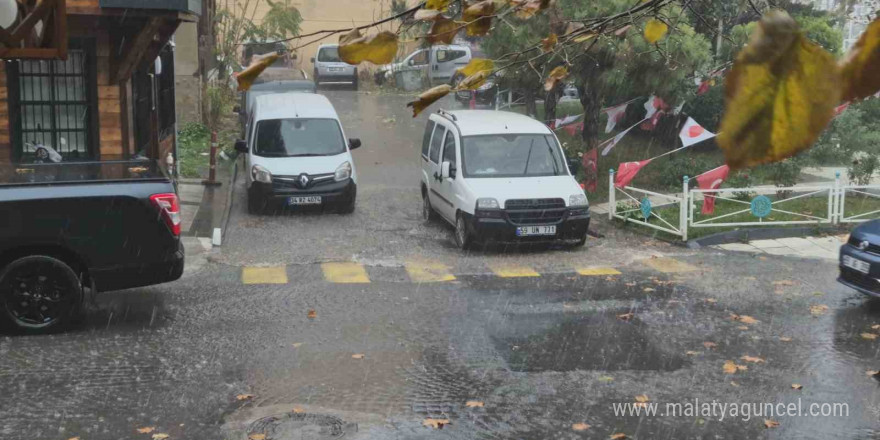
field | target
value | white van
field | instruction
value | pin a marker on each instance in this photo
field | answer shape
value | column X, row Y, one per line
column 440, row 62
column 296, row 154
column 329, row 68
column 500, row 176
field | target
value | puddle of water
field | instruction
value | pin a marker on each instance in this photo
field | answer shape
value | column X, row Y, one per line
column 595, row 341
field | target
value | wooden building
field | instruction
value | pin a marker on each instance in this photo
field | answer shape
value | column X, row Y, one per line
column 94, row 82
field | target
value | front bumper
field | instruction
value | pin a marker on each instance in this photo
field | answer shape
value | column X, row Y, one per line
column 502, row 229
column 869, row 283
column 333, row 193
column 344, row 75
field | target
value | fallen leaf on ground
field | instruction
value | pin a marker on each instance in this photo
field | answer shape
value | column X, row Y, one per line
column 648, row 290
column 312, row 314
column 473, row 404
column 380, row 48
column 752, row 359
column 818, row 309
column 709, row 344
column 630, row 284
column 297, row 344
column 625, row 316
column 860, row 69
column 435, row 423
column 779, row 95
column 770, row 423
column 74, row 438
column 743, row 327
column 796, row 386
column 146, row 429
column 606, row 378
column 785, row 339
column 618, row 436
column 244, row 397
column 745, row 319
column 642, row 398
column 298, row 410
column 257, row 437
column 730, row 367
column 869, row 336
column 873, row 372
column 580, row 426
column 691, row 353
column 357, row 356
column 428, row 97
column 711, row 300
column 783, row 283
column 160, row 436
column 556, row 75
column 734, row 383
column 875, row 327
column 655, row 30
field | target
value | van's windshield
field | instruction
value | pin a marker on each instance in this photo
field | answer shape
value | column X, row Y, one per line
column 329, row 55
column 298, row 137
column 512, row 155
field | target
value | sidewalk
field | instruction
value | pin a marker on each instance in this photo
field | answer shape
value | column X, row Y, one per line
column 827, row 248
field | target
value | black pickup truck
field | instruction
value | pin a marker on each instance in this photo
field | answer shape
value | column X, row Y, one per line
column 68, row 228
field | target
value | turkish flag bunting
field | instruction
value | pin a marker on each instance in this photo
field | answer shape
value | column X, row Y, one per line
column 574, row 129
column 615, row 115
column 591, row 159
column 615, row 140
column 627, row 171
column 653, row 104
column 840, row 108
column 652, row 124
column 693, row 133
column 711, row 180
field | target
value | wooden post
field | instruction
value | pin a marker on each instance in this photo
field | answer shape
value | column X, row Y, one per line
column 212, row 171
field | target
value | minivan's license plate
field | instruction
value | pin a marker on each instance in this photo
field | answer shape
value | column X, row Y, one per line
column 859, row 265
column 334, row 69
column 314, row 200
column 525, row 231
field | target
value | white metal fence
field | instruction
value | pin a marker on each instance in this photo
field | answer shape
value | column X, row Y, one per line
column 755, row 206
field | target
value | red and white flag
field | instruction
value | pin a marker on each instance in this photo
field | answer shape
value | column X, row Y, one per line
column 693, row 133
column 567, row 120
column 653, row 104
column 627, row 171
column 840, row 109
column 616, row 140
column 711, row 179
column 574, row 129
column 591, row 169
column 652, row 124
column 615, row 115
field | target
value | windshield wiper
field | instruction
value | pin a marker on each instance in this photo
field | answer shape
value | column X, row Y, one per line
column 529, row 157
column 552, row 157
column 306, row 155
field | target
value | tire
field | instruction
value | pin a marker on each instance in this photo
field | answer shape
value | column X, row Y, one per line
column 463, row 238
column 40, row 294
column 348, row 207
column 428, row 213
column 354, row 82
column 317, row 79
column 256, row 204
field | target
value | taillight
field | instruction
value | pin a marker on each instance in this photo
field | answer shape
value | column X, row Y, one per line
column 169, row 209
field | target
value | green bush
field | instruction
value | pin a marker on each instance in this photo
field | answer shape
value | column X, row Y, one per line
column 740, row 179
column 672, row 172
column 863, row 168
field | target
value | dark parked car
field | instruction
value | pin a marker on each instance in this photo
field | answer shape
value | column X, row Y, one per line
column 484, row 95
column 65, row 227
column 860, row 259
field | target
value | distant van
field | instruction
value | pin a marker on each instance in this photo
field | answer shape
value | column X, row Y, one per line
column 329, row 68
column 440, row 62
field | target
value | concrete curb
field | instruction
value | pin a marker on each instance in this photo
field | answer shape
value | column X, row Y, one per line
column 742, row 235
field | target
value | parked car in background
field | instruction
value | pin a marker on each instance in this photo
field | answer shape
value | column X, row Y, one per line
column 330, row 69
column 483, row 95
column 440, row 63
column 69, row 226
column 264, row 88
column 499, row 176
column 296, row 154
column 860, row 259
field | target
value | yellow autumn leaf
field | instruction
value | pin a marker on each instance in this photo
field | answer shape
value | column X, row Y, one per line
column 429, row 97
column 655, row 30
column 779, row 96
column 439, row 5
column 435, row 423
column 473, row 404
column 426, row 15
column 476, row 65
column 378, row 48
column 160, row 436
column 312, row 314
column 869, row 336
column 556, row 75
column 730, row 367
column 443, row 30
column 146, row 429
column 796, row 386
column 860, row 69
column 246, row 77
column 478, row 17
column 642, row 398
column 241, row 397
column 580, row 426
column 357, row 356
column 617, row 436
column 770, row 423
column 752, row 359
column 474, row 81
column 548, row 43
column 257, row 437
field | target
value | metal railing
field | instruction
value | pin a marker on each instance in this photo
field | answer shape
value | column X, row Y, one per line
column 646, row 208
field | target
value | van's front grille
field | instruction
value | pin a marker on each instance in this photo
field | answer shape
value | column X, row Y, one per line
column 294, row 182
column 535, row 211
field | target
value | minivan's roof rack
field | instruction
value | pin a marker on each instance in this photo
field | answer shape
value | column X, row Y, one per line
column 447, row 115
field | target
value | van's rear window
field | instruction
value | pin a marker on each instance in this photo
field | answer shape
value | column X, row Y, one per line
column 329, row 55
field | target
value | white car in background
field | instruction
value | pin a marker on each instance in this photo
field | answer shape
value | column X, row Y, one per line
column 500, row 176
column 440, row 62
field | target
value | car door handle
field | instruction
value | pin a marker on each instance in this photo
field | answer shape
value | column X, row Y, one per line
column 437, row 177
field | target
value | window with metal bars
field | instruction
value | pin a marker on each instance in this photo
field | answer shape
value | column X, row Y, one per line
column 55, row 104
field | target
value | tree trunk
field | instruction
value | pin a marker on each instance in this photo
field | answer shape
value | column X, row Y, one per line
column 531, row 107
column 206, row 53
column 550, row 100
column 591, row 102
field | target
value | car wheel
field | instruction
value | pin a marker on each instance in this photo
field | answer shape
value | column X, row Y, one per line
column 354, row 83
column 40, row 294
column 348, row 207
column 428, row 213
column 462, row 234
column 256, row 204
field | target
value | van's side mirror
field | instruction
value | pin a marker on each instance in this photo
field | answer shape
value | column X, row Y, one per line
column 354, row 143
column 241, row 146
column 574, row 165
column 446, row 170
column 411, row 62
column 313, row 60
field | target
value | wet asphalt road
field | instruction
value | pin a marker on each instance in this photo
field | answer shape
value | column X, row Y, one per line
column 541, row 353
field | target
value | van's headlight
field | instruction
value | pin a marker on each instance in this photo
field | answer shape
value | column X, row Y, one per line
column 343, row 172
column 261, row 174
column 487, row 203
column 577, row 200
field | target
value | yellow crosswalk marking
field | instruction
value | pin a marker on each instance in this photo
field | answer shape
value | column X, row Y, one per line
column 345, row 273
column 669, row 265
column 264, row 275
column 428, row 272
column 596, row 271
column 513, row 270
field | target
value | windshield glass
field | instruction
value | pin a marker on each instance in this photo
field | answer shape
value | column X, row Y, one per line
column 512, row 155
column 329, row 55
column 298, row 137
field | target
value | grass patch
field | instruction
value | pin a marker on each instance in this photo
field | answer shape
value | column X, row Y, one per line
column 194, row 146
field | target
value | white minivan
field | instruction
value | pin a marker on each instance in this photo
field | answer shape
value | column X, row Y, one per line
column 296, row 154
column 500, row 176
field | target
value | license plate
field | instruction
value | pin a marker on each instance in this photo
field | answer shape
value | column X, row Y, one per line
column 525, row 231
column 334, row 69
column 314, row 200
column 859, row 265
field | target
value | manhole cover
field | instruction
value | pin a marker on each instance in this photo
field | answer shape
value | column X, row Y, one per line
column 301, row 426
